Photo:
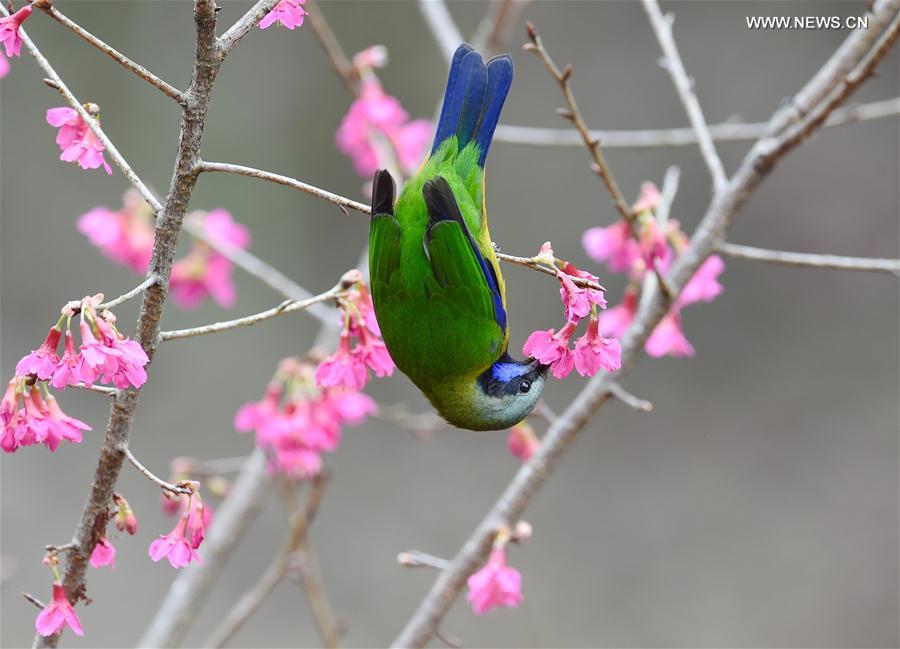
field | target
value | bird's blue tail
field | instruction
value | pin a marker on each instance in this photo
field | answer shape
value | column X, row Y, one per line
column 473, row 99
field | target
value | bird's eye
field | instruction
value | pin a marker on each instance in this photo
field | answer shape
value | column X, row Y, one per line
column 524, row 386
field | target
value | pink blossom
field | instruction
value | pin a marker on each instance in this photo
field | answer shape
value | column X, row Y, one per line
column 343, row 367
column 203, row 271
column 297, row 420
column 71, row 370
column 126, row 521
column 375, row 111
column 593, row 351
column 104, row 554
column 668, row 339
column 612, row 245
column 495, row 585
column 371, row 57
column 59, row 425
column 287, row 12
column 112, row 356
column 43, row 360
column 124, row 236
column 648, row 199
column 578, row 300
column 198, row 518
column 9, row 30
column 4, row 65
column 704, row 286
column 57, row 614
column 9, row 415
column 350, row 406
column 553, row 349
column 77, row 141
column 175, row 545
column 522, row 442
column 373, row 352
column 615, row 321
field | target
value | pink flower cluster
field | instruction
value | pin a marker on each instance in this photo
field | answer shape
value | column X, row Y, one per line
column 350, row 364
column 654, row 248
column 496, row 585
column 75, row 138
column 126, row 237
column 592, row 352
column 296, row 420
column 30, row 417
column 375, row 114
column 288, row 13
column 180, row 545
column 9, row 31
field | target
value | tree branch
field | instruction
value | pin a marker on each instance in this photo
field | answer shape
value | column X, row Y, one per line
column 162, row 484
column 343, row 67
column 278, row 569
column 137, row 290
column 262, row 271
column 288, row 306
column 723, row 207
column 92, row 523
column 662, row 27
column 92, row 123
column 671, row 137
column 243, row 26
column 442, row 26
column 193, row 584
column 809, row 260
column 121, row 59
column 278, row 179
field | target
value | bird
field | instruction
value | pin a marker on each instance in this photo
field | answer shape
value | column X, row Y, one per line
column 437, row 289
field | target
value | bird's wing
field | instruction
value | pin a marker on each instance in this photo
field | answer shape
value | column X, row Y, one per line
column 458, row 263
column 384, row 236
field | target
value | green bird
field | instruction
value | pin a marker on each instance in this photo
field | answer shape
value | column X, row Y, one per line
column 439, row 296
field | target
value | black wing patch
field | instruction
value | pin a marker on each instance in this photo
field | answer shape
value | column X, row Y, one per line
column 383, row 189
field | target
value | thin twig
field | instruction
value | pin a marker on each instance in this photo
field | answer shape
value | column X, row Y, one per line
column 729, row 131
column 288, row 306
column 261, row 270
column 533, row 265
column 629, row 399
column 91, row 122
column 662, row 27
column 34, row 600
column 100, row 389
column 137, row 290
column 417, row 559
column 276, row 571
column 442, row 26
column 201, row 467
column 809, row 260
column 573, row 114
column 598, row 165
column 179, row 609
column 162, row 484
column 250, row 172
column 723, row 207
column 243, row 26
column 121, row 59
column 343, row 67
column 496, row 28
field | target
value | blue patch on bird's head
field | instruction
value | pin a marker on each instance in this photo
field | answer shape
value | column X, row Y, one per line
column 504, row 372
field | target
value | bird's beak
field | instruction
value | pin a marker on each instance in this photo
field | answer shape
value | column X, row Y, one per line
column 535, row 364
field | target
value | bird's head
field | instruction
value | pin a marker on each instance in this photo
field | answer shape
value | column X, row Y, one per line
column 500, row 397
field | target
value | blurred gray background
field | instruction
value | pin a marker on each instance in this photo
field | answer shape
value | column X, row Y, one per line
column 756, row 506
